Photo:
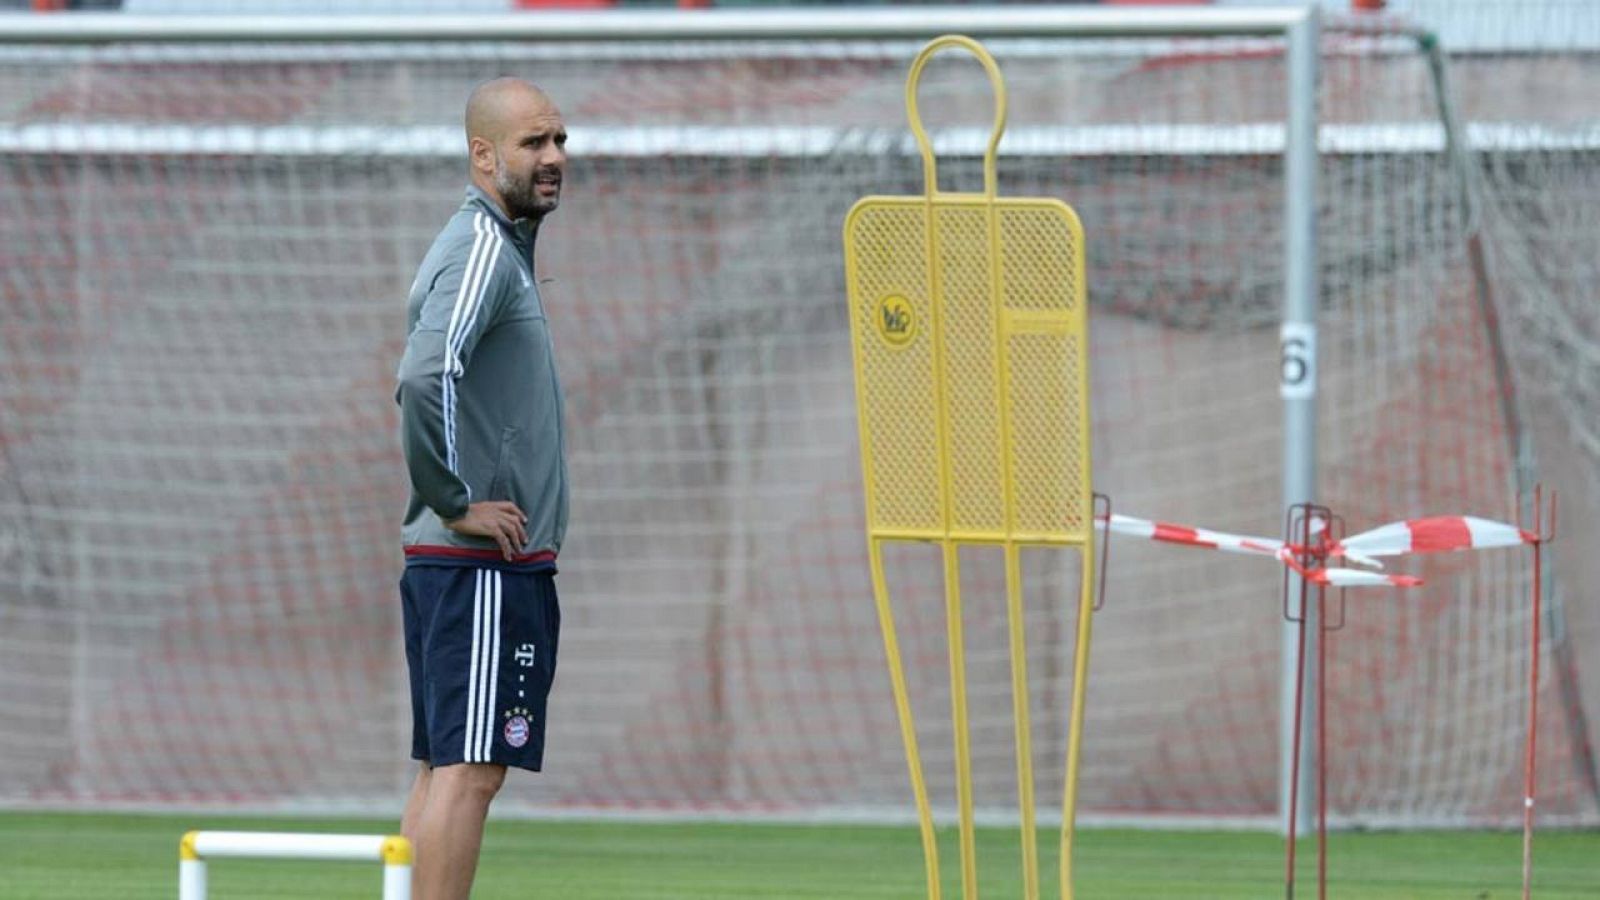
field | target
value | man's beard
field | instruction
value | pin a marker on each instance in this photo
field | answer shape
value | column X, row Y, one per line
column 521, row 195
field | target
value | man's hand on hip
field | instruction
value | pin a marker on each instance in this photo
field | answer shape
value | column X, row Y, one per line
column 498, row 519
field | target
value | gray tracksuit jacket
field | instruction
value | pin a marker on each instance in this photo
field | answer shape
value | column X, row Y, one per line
column 480, row 401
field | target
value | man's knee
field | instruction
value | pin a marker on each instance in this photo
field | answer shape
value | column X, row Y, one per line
column 475, row 780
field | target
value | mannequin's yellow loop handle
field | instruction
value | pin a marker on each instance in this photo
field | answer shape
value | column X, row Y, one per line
column 930, row 175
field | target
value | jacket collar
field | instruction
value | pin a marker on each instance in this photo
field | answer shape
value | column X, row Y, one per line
column 523, row 230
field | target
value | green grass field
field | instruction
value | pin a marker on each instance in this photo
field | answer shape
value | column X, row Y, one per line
column 126, row 857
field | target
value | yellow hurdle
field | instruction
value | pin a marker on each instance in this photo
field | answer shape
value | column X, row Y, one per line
column 969, row 319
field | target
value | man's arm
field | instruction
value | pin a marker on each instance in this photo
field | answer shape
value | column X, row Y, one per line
column 454, row 316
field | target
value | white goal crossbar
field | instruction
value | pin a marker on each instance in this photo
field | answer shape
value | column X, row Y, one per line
column 648, row 25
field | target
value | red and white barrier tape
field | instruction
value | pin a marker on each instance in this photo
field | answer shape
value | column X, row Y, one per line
column 1193, row 537
column 1337, row 577
column 1434, row 534
column 1169, row 533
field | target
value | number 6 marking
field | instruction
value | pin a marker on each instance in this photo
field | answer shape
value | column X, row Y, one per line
column 1297, row 360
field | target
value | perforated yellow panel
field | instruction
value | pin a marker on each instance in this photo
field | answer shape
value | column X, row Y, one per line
column 895, row 373
column 977, row 487
column 960, row 341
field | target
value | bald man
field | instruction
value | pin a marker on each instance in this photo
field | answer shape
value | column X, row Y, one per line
column 480, row 415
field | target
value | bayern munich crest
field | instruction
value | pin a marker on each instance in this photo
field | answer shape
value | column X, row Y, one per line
column 517, row 731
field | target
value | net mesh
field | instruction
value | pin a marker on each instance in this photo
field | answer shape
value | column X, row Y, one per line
column 205, row 253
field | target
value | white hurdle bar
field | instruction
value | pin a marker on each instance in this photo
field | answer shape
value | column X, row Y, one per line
column 196, row 847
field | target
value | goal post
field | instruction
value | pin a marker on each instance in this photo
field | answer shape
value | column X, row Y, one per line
column 197, row 316
column 1298, row 388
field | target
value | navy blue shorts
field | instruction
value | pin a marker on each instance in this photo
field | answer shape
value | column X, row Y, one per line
column 481, row 647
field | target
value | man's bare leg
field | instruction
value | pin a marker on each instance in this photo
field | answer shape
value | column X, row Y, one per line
column 448, row 829
column 415, row 802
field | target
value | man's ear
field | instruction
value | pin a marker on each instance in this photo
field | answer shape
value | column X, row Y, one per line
column 481, row 151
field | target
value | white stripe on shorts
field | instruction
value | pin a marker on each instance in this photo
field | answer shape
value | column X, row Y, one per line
column 493, row 662
column 469, row 743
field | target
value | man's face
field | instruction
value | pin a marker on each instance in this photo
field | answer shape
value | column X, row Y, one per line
column 530, row 163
